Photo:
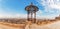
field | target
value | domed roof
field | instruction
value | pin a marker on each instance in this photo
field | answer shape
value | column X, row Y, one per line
column 28, row 8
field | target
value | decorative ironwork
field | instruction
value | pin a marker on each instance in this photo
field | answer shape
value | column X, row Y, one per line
column 31, row 9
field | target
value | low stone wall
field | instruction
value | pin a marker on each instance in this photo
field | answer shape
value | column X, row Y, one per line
column 29, row 25
column 11, row 26
column 55, row 25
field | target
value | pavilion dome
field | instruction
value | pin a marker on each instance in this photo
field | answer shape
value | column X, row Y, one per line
column 28, row 8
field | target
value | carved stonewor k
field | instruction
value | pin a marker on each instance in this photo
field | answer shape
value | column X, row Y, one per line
column 31, row 9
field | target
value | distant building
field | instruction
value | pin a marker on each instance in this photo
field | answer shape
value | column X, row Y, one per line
column 58, row 17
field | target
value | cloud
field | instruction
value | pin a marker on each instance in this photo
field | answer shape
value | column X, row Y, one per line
column 13, row 15
column 21, row 15
column 50, row 4
column 52, row 7
column 39, row 12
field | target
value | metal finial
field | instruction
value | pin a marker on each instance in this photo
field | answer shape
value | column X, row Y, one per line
column 31, row 3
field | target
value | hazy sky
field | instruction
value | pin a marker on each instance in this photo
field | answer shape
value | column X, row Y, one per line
column 16, row 8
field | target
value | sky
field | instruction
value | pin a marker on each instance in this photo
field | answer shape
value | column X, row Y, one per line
column 16, row 8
